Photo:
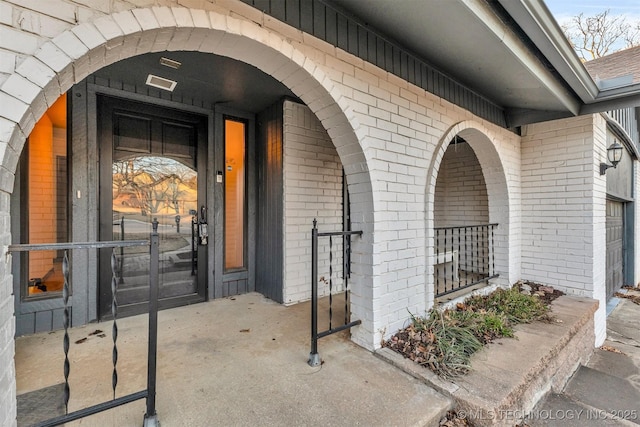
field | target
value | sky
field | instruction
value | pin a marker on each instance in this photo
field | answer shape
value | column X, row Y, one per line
column 565, row 9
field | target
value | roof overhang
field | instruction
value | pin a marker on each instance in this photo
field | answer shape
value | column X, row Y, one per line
column 535, row 19
column 512, row 52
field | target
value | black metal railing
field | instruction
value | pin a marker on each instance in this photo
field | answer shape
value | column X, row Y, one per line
column 464, row 257
column 150, row 418
column 314, row 357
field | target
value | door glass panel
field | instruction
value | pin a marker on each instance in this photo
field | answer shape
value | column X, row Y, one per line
column 234, row 195
column 46, row 199
column 145, row 188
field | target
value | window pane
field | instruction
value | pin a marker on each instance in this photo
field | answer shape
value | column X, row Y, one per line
column 234, row 195
column 47, row 198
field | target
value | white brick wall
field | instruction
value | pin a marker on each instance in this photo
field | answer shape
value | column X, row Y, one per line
column 385, row 131
column 312, row 189
column 558, row 184
column 563, row 208
column 390, row 137
column 461, row 193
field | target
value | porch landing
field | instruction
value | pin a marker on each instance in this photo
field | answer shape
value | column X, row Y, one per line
column 234, row 361
column 510, row 376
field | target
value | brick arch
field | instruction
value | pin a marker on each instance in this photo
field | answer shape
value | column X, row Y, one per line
column 90, row 46
column 482, row 141
column 77, row 52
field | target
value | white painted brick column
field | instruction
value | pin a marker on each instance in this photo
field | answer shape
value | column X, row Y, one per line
column 7, row 323
column 563, row 208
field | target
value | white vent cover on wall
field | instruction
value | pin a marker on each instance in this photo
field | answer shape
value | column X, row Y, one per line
column 170, row 63
column 161, row 82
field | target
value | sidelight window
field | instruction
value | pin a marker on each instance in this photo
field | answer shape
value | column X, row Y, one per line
column 234, row 194
column 44, row 201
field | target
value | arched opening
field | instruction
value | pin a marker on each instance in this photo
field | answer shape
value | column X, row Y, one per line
column 277, row 60
column 470, row 216
column 220, row 88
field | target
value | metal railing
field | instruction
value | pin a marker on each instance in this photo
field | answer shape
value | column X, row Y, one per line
column 314, row 357
column 464, row 257
column 150, row 418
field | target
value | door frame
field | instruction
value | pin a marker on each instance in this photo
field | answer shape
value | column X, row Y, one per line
column 152, row 108
column 223, row 282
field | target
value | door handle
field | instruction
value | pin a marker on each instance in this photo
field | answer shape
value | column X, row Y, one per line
column 203, row 232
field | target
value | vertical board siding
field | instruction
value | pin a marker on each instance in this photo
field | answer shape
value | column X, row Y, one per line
column 25, row 324
column 319, row 12
column 269, row 263
column 337, row 29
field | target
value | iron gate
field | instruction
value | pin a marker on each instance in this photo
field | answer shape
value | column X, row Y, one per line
column 314, row 357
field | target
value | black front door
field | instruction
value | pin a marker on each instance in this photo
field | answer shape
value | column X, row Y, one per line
column 152, row 167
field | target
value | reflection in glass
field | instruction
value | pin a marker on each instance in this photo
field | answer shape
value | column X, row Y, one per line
column 146, row 188
column 234, row 194
column 46, row 192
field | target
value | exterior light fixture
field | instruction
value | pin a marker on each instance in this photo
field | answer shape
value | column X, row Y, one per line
column 614, row 155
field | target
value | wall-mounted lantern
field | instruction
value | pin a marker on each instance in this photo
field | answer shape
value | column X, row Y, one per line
column 614, row 155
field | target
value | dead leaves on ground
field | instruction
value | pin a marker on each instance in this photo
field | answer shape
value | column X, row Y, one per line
column 634, row 298
column 611, row 349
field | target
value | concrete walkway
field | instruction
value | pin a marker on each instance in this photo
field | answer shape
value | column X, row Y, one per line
column 238, row 361
column 607, row 390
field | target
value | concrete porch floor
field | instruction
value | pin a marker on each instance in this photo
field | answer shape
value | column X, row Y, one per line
column 235, row 361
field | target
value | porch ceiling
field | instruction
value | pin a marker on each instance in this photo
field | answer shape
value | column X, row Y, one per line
column 207, row 78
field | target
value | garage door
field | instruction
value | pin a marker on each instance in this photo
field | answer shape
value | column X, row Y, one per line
column 615, row 241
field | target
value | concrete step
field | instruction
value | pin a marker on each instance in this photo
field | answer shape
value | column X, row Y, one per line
column 592, row 398
column 609, row 384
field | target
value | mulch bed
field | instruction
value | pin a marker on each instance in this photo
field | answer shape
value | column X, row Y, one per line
column 546, row 293
column 420, row 344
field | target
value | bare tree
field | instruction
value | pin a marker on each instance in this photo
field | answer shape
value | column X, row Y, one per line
column 595, row 36
column 632, row 38
column 152, row 183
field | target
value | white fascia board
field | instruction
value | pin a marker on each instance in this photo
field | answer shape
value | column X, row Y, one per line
column 536, row 21
column 520, row 51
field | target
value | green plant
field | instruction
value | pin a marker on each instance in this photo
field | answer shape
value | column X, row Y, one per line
column 517, row 307
column 445, row 340
column 485, row 325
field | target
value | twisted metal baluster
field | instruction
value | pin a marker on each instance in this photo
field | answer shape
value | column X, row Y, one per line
column 65, row 323
column 330, row 280
column 114, row 313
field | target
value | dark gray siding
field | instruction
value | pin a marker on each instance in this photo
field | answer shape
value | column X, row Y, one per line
column 269, row 265
column 332, row 26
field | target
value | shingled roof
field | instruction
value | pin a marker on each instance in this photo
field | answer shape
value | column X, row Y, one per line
column 619, row 64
